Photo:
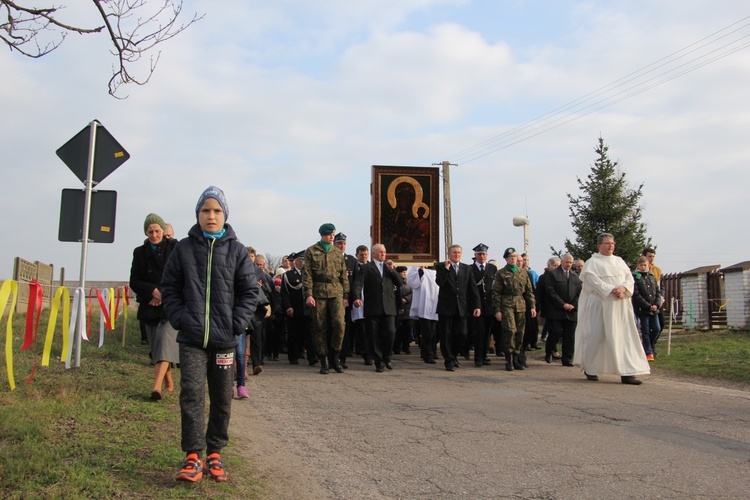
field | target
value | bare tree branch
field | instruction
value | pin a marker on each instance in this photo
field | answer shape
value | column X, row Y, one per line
column 134, row 27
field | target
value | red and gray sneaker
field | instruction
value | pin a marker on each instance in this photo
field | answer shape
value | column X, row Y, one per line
column 192, row 470
column 214, row 468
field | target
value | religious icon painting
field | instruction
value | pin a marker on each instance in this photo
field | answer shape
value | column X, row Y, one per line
column 405, row 212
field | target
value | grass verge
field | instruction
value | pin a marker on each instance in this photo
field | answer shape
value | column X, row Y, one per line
column 93, row 432
column 718, row 355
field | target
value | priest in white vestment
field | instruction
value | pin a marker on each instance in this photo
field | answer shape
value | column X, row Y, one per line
column 607, row 339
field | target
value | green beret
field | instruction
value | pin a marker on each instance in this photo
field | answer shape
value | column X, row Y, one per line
column 153, row 219
column 327, row 228
column 508, row 251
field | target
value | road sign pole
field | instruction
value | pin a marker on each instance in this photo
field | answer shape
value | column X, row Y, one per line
column 85, row 234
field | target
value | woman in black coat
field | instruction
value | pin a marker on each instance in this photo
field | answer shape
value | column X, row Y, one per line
column 146, row 271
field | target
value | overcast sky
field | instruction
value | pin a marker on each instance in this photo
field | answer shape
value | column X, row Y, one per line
column 286, row 105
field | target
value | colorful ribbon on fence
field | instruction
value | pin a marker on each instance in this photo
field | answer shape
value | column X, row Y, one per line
column 77, row 318
column 62, row 297
column 107, row 314
column 8, row 289
column 33, row 310
column 109, row 302
column 104, row 312
column 123, row 291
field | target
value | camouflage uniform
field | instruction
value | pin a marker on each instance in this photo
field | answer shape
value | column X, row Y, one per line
column 511, row 295
column 324, row 277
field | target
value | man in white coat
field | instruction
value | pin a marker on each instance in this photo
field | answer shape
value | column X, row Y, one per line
column 607, row 339
column 424, row 308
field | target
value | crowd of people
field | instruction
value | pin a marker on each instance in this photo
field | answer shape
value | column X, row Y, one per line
column 209, row 305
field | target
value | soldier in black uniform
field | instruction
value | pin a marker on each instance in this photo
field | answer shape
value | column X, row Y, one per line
column 350, row 261
column 485, row 325
column 299, row 335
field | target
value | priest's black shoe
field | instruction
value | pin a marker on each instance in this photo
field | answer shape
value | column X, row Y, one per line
column 389, row 365
column 630, row 380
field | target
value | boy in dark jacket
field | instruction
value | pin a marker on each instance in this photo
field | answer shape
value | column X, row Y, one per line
column 210, row 291
column 646, row 303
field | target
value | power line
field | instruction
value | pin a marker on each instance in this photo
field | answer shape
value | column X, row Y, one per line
column 579, row 108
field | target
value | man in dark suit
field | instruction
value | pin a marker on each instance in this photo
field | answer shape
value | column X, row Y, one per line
column 376, row 283
column 482, row 326
column 458, row 298
column 350, row 261
column 361, row 342
column 562, row 289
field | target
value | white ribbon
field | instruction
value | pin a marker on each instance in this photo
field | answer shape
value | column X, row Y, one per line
column 77, row 313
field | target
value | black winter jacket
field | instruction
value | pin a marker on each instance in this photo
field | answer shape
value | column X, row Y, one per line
column 145, row 275
column 646, row 293
column 209, row 275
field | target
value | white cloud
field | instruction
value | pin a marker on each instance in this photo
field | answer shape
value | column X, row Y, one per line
column 286, row 106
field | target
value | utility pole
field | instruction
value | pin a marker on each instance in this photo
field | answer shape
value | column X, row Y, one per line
column 447, row 217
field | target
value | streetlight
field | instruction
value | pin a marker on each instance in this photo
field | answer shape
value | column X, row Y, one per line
column 520, row 220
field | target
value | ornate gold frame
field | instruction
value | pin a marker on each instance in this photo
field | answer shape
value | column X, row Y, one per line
column 410, row 231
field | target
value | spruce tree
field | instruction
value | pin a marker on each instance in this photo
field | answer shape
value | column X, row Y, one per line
column 607, row 204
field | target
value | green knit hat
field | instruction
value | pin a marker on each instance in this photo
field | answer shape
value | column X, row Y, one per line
column 153, row 219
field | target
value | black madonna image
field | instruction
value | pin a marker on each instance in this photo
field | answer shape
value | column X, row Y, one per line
column 405, row 212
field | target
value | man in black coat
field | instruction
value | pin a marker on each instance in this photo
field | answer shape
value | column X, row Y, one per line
column 376, row 284
column 483, row 325
column 360, row 339
column 299, row 335
column 562, row 289
column 458, row 298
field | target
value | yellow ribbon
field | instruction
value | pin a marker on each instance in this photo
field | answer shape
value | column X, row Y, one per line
column 112, row 309
column 9, row 288
column 124, row 290
column 62, row 296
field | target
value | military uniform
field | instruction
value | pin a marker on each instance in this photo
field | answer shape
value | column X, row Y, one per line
column 512, row 293
column 485, row 325
column 324, row 278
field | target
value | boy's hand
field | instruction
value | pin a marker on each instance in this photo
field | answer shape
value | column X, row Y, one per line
column 310, row 301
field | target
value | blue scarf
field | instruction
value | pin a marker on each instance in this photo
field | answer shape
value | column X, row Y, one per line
column 214, row 236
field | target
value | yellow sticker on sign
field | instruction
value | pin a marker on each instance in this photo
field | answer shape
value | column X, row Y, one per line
column 119, row 154
column 104, row 229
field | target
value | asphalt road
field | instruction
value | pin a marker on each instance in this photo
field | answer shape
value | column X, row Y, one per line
column 546, row 432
